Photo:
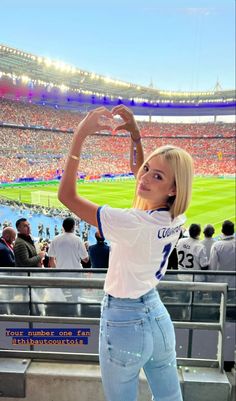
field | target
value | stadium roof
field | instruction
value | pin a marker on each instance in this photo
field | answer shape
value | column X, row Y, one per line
column 48, row 81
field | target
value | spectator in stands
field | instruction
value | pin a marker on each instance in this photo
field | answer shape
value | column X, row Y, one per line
column 208, row 241
column 67, row 250
column 24, row 248
column 99, row 253
column 133, row 316
column 191, row 252
column 223, row 252
column 7, row 257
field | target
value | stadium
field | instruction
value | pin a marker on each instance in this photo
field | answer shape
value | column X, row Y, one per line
column 41, row 103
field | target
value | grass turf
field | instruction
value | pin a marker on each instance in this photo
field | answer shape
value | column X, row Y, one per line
column 213, row 199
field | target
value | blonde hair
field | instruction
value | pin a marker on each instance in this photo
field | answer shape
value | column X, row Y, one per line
column 181, row 164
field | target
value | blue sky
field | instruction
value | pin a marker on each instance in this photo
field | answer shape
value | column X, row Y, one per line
column 178, row 44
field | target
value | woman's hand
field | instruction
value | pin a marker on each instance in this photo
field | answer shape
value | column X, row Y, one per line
column 92, row 122
column 129, row 121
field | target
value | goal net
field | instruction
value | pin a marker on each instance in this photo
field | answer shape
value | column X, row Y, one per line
column 45, row 198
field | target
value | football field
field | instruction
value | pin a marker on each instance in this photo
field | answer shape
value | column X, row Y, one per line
column 213, row 199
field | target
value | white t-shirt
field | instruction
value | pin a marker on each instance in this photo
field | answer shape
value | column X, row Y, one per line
column 141, row 242
column 191, row 254
column 68, row 249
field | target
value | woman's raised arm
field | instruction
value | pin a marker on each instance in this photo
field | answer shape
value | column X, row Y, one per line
column 67, row 193
column 130, row 125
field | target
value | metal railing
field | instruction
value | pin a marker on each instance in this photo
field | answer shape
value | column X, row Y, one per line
column 51, row 282
column 92, row 270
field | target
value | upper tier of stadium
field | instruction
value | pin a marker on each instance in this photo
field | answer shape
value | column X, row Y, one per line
column 46, row 81
column 34, row 142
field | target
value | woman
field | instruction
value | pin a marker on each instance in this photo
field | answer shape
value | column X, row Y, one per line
column 135, row 331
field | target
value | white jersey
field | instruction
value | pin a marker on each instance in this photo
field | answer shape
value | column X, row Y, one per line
column 68, row 249
column 191, row 254
column 208, row 242
column 141, row 242
column 223, row 254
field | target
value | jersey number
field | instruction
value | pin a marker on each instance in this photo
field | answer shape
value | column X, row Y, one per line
column 187, row 256
column 166, row 251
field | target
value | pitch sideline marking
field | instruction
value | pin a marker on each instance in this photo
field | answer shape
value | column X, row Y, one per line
column 218, row 222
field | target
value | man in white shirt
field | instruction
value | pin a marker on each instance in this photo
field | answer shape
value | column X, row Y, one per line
column 67, row 250
column 208, row 241
column 191, row 253
column 222, row 255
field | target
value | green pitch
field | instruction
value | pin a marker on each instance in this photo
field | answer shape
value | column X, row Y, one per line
column 213, row 199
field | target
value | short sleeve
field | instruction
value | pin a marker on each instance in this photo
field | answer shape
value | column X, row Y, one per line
column 119, row 225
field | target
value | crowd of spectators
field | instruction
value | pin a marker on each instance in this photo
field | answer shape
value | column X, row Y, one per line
column 187, row 130
column 19, row 248
column 40, row 154
column 210, row 253
column 17, row 112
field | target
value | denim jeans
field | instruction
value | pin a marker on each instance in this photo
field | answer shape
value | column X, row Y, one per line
column 135, row 334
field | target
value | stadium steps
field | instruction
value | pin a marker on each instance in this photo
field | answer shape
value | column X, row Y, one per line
column 49, row 381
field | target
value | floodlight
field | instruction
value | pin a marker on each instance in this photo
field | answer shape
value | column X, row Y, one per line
column 48, row 62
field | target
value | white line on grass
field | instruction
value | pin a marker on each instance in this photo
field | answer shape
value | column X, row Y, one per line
column 221, row 221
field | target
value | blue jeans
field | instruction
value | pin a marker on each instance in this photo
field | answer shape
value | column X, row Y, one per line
column 135, row 334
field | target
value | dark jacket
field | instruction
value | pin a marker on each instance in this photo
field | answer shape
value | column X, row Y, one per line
column 99, row 255
column 7, row 257
column 25, row 252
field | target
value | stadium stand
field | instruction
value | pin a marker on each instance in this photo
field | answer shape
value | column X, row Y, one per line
column 33, row 142
column 41, row 154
